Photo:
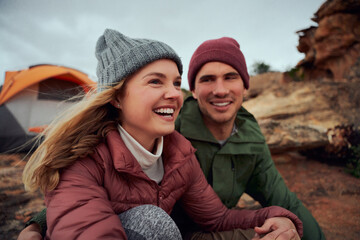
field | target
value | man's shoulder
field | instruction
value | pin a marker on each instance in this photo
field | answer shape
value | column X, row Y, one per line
column 248, row 126
column 245, row 114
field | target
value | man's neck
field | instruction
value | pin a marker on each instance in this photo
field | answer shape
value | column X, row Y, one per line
column 220, row 131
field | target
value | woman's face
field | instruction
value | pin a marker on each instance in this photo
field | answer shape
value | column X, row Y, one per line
column 151, row 102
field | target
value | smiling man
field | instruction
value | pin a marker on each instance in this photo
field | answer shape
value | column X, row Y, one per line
column 230, row 147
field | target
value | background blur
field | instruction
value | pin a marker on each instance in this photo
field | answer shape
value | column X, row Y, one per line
column 65, row 32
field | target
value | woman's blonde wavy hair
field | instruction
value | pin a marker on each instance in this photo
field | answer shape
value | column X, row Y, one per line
column 71, row 136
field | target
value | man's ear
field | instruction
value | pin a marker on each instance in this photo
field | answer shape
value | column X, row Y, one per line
column 194, row 94
column 245, row 96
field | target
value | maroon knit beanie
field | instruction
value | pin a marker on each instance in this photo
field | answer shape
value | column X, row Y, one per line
column 225, row 50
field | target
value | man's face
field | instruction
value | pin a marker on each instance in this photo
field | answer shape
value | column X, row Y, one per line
column 219, row 91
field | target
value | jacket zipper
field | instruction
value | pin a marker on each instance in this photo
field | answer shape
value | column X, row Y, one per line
column 234, row 177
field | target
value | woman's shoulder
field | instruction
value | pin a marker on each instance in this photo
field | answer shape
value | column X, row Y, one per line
column 98, row 157
column 96, row 163
column 112, row 142
column 86, row 168
column 175, row 142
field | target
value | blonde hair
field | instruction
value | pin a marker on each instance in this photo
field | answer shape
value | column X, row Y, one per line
column 71, row 136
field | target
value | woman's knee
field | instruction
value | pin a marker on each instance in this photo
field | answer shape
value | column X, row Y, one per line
column 149, row 222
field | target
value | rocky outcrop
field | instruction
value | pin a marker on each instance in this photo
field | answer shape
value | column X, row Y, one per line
column 332, row 49
column 298, row 115
column 321, row 92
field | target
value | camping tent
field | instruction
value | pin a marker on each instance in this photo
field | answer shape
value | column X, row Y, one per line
column 31, row 98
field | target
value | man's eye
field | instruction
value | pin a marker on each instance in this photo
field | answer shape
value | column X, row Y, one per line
column 206, row 80
column 232, row 76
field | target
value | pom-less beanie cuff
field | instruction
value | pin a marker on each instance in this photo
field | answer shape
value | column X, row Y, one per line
column 225, row 50
column 120, row 56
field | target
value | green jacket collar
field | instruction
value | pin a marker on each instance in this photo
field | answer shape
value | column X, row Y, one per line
column 191, row 125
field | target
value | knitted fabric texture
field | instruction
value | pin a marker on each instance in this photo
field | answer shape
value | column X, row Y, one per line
column 225, row 50
column 120, row 56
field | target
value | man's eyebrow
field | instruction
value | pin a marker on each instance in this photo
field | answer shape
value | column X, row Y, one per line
column 213, row 76
column 206, row 76
column 232, row 74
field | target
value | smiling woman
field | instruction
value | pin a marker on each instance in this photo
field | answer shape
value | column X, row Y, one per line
column 114, row 167
column 153, row 98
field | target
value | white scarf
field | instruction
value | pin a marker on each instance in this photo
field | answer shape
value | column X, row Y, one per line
column 150, row 163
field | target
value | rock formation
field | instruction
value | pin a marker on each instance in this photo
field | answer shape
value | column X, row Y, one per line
column 296, row 110
column 298, row 115
column 332, row 49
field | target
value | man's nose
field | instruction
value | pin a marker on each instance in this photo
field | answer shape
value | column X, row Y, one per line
column 220, row 88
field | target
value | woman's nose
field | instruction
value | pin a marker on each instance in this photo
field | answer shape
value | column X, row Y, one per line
column 173, row 92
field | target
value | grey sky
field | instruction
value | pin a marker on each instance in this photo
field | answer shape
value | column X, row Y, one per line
column 64, row 32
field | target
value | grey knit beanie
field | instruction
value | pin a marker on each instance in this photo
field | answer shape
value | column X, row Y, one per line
column 119, row 56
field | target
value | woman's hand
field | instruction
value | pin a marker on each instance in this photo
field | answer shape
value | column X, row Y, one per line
column 277, row 228
column 31, row 232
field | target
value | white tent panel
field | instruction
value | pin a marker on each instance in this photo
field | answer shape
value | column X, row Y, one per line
column 33, row 112
column 44, row 111
column 21, row 104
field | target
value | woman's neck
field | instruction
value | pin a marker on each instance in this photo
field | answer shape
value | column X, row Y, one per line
column 149, row 143
column 150, row 162
column 145, row 157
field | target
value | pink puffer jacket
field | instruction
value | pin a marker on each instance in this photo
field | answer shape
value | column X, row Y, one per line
column 94, row 190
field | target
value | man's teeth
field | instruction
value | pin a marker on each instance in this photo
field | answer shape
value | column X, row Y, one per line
column 165, row 110
column 221, row 104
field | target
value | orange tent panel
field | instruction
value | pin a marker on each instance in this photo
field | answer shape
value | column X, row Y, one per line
column 16, row 81
column 37, row 129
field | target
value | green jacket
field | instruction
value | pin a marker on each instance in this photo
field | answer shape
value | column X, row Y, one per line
column 242, row 164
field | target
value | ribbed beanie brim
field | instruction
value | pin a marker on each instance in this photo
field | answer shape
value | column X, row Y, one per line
column 225, row 50
column 120, row 56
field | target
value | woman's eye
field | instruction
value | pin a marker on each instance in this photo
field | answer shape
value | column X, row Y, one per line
column 177, row 83
column 155, row 81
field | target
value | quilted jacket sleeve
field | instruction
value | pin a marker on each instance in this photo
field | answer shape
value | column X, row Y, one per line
column 78, row 208
column 203, row 205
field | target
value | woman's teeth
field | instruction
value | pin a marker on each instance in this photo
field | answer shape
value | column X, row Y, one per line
column 164, row 111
